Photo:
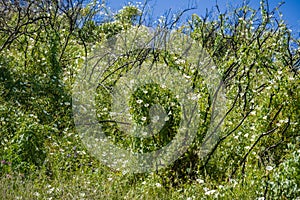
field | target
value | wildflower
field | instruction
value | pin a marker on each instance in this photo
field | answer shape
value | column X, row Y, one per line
column 82, row 194
column 50, row 190
column 186, row 76
column 36, row 194
column 253, row 113
column 158, row 185
column 146, row 105
column 269, row 168
column 109, row 179
column 210, row 192
column 144, row 133
column 200, row 180
column 233, row 181
column 139, row 101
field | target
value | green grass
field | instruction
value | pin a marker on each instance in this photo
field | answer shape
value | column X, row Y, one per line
column 109, row 185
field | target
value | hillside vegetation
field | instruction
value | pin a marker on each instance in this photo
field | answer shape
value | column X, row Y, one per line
column 45, row 44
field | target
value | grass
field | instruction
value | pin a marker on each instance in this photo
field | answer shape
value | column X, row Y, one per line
column 105, row 184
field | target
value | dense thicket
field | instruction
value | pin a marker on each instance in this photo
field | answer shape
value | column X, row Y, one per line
column 45, row 43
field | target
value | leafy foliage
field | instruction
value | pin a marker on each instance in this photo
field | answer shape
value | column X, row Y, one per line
column 44, row 44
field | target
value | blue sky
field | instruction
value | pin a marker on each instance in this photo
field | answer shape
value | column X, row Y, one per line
column 290, row 10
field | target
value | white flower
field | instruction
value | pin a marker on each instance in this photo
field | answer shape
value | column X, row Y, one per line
column 112, row 114
column 233, row 181
column 139, row 101
column 200, row 180
column 291, row 78
column 146, row 105
column 158, row 185
column 252, row 138
column 50, row 190
column 179, row 61
column 210, row 192
column 186, row 76
column 82, row 194
column 193, row 96
column 144, row 133
column 269, row 168
column 144, row 118
column 36, row 194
